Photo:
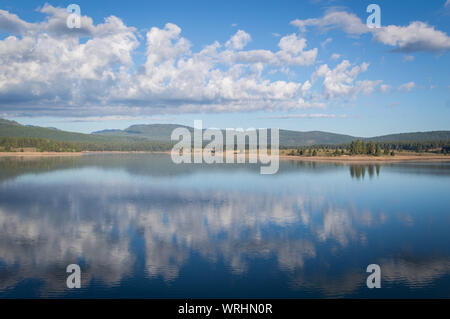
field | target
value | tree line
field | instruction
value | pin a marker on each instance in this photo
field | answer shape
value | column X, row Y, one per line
column 11, row 144
column 359, row 147
column 19, row 144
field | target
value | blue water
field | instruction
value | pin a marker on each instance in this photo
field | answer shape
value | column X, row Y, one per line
column 141, row 226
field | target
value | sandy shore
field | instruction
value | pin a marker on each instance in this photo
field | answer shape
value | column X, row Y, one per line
column 369, row 159
column 38, row 154
column 126, row 152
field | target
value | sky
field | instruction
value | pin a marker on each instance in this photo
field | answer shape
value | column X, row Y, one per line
column 300, row 65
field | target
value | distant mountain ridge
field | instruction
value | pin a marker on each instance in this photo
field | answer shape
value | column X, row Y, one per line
column 161, row 133
column 412, row 137
column 152, row 132
column 13, row 129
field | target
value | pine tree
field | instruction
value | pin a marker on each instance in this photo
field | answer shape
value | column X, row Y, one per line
column 377, row 150
column 371, row 148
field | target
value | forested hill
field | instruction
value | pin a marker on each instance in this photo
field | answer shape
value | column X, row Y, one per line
column 162, row 132
column 14, row 129
column 412, row 137
column 146, row 134
column 153, row 132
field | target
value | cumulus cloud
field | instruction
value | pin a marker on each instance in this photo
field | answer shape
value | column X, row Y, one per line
column 11, row 23
column 238, row 41
column 292, row 53
column 340, row 81
column 348, row 22
column 46, row 68
column 49, row 69
column 42, row 67
column 417, row 36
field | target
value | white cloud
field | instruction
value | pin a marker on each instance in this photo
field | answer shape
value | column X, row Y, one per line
column 417, row 36
column 348, row 22
column 238, row 41
column 407, row 87
column 11, row 23
column 340, row 81
column 306, row 86
column 48, row 69
column 335, row 56
column 42, row 67
column 447, row 3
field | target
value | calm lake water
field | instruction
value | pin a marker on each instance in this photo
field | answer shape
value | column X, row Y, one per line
column 141, row 226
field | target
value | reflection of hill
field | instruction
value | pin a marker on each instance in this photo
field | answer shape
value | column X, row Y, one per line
column 160, row 165
column 422, row 168
column 137, row 164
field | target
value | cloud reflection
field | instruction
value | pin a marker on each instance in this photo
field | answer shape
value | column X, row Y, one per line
column 50, row 220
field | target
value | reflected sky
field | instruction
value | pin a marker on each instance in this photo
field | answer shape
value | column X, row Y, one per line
column 141, row 226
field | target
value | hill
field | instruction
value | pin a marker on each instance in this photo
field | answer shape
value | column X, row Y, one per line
column 412, row 137
column 14, row 129
column 162, row 132
column 152, row 132
column 288, row 138
column 140, row 136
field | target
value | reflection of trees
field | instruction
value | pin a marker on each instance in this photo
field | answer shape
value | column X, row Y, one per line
column 359, row 171
column 142, row 165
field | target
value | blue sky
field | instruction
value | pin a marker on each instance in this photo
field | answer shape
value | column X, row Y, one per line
column 301, row 65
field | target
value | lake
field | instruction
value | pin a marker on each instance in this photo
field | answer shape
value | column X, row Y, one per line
column 140, row 226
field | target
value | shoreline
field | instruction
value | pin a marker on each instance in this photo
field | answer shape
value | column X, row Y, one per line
column 369, row 159
column 125, row 152
column 342, row 158
column 39, row 154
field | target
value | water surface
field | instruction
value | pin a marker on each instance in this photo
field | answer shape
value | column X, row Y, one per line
column 141, row 226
